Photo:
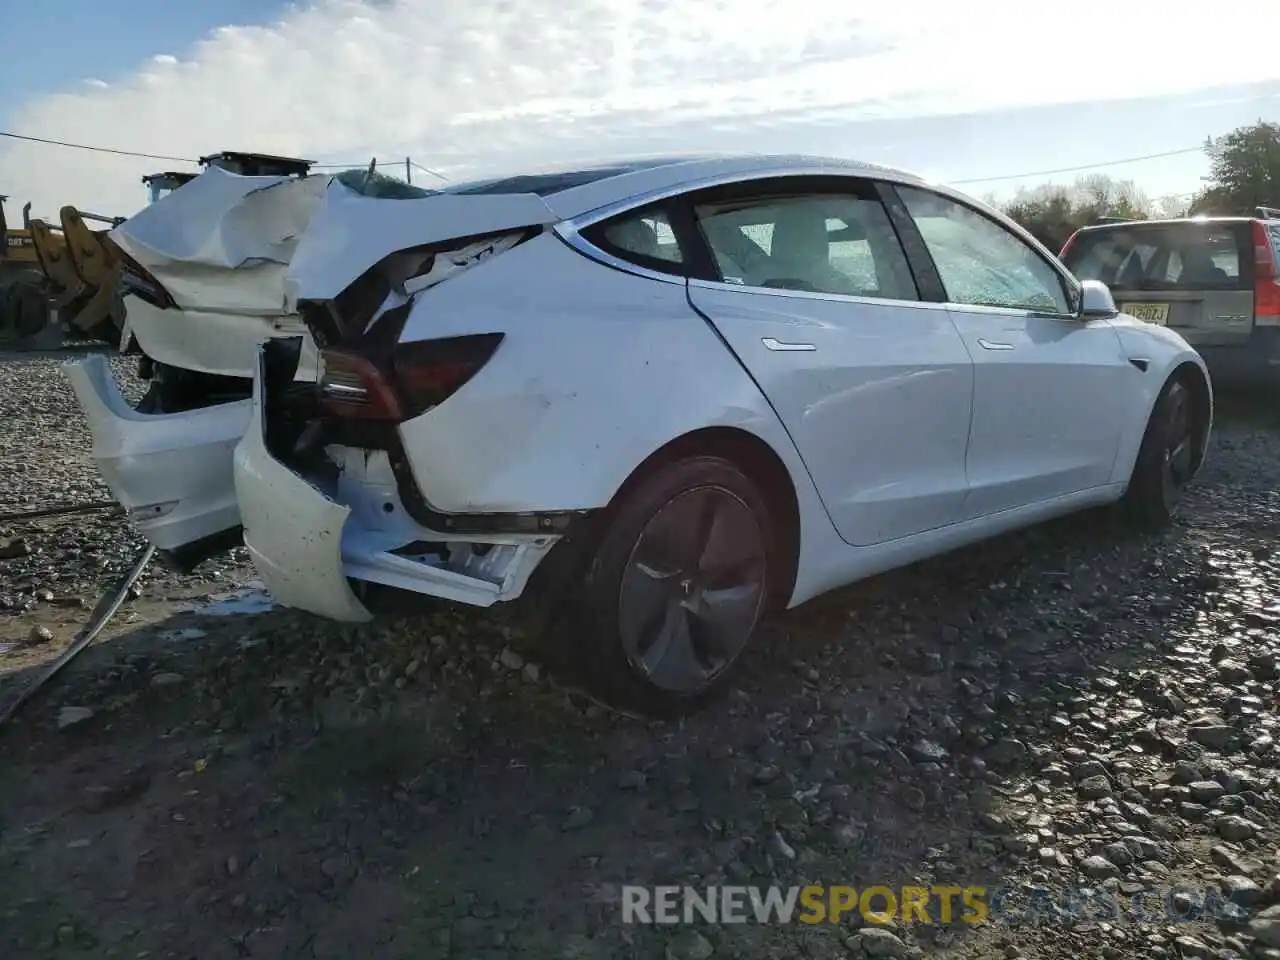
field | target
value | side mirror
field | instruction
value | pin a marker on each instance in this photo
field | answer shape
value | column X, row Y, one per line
column 1096, row 301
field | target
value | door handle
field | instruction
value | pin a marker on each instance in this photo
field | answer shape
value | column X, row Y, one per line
column 994, row 345
column 782, row 345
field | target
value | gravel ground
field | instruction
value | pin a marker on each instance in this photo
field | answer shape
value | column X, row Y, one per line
column 52, row 568
column 1070, row 709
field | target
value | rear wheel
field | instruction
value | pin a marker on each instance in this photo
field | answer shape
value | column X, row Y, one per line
column 679, row 584
column 1167, row 458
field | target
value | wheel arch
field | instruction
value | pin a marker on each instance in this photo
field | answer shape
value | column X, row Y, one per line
column 1197, row 382
column 760, row 462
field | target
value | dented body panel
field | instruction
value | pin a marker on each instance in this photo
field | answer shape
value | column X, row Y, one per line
column 221, row 248
column 223, row 344
column 223, row 242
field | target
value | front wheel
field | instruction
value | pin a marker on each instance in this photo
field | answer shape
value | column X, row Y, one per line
column 1166, row 460
column 678, row 586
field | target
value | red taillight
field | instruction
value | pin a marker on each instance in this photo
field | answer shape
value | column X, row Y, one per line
column 416, row 377
column 1062, row 254
column 1266, row 291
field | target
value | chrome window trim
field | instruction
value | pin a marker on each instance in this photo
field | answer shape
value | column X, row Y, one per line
column 812, row 295
column 608, row 210
column 1022, row 312
column 570, row 229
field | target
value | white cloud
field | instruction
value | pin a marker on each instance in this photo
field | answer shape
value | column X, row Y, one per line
column 479, row 85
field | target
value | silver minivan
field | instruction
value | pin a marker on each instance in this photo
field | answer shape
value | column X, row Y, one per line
column 1215, row 280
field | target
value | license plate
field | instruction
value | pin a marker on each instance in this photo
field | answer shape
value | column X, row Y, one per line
column 1150, row 312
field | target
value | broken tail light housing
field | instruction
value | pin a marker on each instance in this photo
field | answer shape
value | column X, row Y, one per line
column 407, row 382
column 1266, row 285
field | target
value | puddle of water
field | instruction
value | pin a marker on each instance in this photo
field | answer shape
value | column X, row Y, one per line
column 246, row 602
column 183, row 635
column 253, row 599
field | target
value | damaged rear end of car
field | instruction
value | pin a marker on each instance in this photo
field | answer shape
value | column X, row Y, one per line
column 327, row 496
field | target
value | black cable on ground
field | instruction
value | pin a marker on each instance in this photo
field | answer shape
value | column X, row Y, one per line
column 56, row 511
column 102, row 613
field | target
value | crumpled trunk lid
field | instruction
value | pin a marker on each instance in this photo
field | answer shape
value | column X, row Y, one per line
column 223, row 243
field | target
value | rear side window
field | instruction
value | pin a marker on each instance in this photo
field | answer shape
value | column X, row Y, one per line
column 1164, row 256
column 818, row 242
column 644, row 237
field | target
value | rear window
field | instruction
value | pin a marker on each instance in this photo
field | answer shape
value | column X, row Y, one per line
column 1165, row 256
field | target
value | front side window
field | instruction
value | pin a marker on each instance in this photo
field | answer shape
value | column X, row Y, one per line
column 980, row 262
column 818, row 243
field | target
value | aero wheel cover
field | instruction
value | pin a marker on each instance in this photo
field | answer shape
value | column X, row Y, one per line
column 1177, row 442
column 693, row 589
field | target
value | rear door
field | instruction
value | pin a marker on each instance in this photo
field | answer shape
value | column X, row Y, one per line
column 814, row 294
column 1194, row 277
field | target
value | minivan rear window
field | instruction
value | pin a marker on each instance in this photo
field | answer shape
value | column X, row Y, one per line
column 1165, row 256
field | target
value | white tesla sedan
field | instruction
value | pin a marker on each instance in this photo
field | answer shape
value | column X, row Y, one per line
column 708, row 387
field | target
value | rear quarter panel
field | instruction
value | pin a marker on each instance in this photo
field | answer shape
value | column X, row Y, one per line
column 598, row 370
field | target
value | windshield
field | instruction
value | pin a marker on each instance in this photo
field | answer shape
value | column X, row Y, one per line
column 1164, row 256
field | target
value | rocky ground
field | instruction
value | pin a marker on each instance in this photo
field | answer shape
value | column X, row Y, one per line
column 1068, row 710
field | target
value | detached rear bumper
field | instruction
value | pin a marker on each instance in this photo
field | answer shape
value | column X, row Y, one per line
column 308, row 541
column 172, row 472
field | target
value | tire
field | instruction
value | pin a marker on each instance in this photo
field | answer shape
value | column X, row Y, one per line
column 24, row 310
column 678, row 584
column 1166, row 459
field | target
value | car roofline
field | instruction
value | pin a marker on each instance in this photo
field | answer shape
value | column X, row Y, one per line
column 1171, row 221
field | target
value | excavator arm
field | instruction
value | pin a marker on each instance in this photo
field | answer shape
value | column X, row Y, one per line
column 98, row 271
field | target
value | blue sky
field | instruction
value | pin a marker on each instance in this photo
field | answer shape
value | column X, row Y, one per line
column 51, row 45
column 477, row 86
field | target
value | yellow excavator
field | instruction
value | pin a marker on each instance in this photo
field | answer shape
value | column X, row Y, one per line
column 44, row 300
column 83, row 267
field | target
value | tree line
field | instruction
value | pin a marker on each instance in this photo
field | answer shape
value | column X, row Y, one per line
column 1244, row 173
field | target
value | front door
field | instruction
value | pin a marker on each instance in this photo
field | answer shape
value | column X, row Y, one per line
column 1050, row 389
column 817, row 300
